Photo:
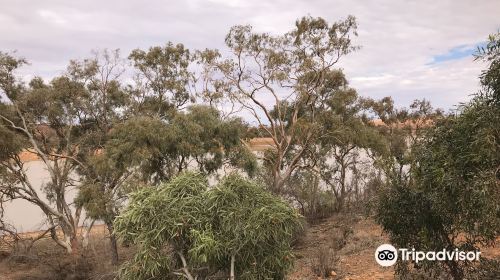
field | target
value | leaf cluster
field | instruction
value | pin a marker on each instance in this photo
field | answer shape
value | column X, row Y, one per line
column 207, row 226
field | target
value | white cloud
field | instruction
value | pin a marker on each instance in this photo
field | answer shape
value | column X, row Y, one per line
column 52, row 17
column 399, row 39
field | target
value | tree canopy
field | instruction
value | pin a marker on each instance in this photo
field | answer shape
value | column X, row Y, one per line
column 452, row 201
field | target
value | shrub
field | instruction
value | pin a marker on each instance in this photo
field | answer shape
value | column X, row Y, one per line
column 184, row 228
column 326, row 262
column 453, row 199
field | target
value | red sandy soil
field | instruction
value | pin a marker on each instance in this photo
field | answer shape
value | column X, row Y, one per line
column 355, row 260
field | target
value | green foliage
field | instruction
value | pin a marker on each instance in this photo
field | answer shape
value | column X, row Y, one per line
column 157, row 217
column 11, row 143
column 242, row 157
column 401, row 129
column 283, row 81
column 9, row 84
column 490, row 78
column 163, row 149
column 138, row 141
column 207, row 227
column 164, row 79
column 253, row 225
column 453, row 199
column 455, row 190
column 345, row 132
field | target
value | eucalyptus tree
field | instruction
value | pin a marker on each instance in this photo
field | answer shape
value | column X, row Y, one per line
column 163, row 79
column 234, row 230
column 197, row 138
column 453, row 199
column 347, row 136
column 150, row 134
column 104, row 107
column 490, row 77
column 401, row 128
column 65, row 124
column 42, row 119
column 282, row 81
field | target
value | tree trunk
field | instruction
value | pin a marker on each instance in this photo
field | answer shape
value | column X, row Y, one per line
column 342, row 196
column 185, row 269
column 85, row 235
column 455, row 270
column 231, row 275
column 276, row 182
column 113, row 243
column 74, row 245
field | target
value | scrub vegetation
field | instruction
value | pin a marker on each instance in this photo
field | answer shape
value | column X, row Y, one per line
column 162, row 149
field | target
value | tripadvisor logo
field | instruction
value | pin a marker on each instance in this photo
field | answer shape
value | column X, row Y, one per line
column 387, row 255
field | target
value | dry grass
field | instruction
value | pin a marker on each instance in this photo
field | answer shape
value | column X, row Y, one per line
column 47, row 261
column 342, row 244
column 326, row 263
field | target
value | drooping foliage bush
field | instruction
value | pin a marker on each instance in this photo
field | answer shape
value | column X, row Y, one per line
column 183, row 227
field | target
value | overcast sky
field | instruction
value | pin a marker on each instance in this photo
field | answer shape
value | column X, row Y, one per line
column 410, row 49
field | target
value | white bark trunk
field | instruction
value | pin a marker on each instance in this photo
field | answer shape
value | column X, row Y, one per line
column 185, row 269
column 85, row 236
column 231, row 276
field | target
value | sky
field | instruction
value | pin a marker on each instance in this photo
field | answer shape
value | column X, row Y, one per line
column 409, row 49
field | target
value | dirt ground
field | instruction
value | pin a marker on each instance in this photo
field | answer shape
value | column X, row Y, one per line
column 355, row 260
column 337, row 248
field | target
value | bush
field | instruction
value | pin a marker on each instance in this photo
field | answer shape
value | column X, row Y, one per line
column 314, row 203
column 326, row 262
column 453, row 198
column 488, row 269
column 184, row 228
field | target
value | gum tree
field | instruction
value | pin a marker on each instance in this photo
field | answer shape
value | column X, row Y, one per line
column 65, row 123
column 453, row 199
column 41, row 119
column 346, row 133
column 102, row 108
column 282, row 82
column 195, row 139
column 163, row 79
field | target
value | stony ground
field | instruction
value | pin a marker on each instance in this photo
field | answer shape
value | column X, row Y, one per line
column 326, row 250
column 339, row 247
column 354, row 257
